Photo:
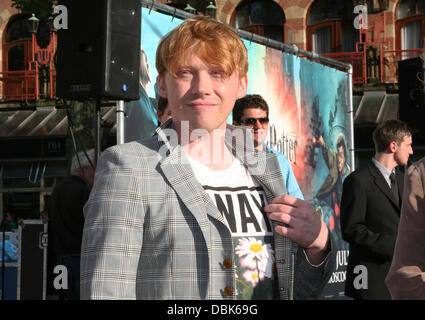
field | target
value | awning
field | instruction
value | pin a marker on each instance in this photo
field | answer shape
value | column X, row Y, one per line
column 374, row 107
column 370, row 109
column 42, row 121
column 32, row 142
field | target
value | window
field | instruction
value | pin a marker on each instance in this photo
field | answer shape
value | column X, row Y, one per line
column 323, row 38
column 17, row 44
column 265, row 18
column 410, row 8
column 410, row 25
column 16, row 58
column 17, row 54
column 330, row 27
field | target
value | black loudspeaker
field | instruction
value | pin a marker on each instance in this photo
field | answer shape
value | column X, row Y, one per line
column 412, row 96
column 98, row 55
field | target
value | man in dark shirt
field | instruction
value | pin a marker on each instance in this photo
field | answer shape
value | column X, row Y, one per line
column 67, row 221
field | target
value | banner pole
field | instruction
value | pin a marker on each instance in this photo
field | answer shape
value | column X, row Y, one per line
column 351, row 115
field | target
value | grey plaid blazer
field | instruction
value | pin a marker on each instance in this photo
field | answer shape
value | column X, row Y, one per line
column 151, row 232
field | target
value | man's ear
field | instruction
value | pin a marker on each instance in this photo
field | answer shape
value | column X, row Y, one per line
column 243, row 86
column 393, row 146
column 162, row 88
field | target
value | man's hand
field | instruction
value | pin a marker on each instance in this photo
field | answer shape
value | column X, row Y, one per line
column 303, row 225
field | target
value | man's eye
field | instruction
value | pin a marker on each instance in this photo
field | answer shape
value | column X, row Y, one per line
column 218, row 73
column 183, row 73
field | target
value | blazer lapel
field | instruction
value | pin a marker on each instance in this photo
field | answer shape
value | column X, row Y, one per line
column 400, row 183
column 179, row 173
column 382, row 185
column 265, row 168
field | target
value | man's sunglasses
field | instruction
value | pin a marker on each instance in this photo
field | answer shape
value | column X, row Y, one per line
column 252, row 121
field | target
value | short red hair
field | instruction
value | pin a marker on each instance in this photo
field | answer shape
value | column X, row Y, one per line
column 213, row 41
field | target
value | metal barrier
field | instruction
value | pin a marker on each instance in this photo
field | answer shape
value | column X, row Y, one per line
column 20, row 85
column 356, row 59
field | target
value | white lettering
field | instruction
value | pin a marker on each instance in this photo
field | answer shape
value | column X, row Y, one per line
column 341, row 258
column 360, row 22
column 61, row 20
column 60, row 281
column 360, row 281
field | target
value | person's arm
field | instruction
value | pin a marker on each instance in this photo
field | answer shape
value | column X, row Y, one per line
column 292, row 186
column 113, row 230
column 309, row 279
column 328, row 155
column 353, row 221
column 406, row 278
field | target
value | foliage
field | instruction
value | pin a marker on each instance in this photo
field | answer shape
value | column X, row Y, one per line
column 41, row 8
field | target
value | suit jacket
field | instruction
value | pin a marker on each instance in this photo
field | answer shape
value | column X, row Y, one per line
column 152, row 232
column 369, row 221
column 66, row 215
column 406, row 279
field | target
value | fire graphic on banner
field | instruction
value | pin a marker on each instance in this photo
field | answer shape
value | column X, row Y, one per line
column 308, row 118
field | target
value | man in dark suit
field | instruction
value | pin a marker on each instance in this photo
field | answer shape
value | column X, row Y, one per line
column 370, row 211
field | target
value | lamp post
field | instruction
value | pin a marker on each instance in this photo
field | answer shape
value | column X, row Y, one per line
column 33, row 23
column 211, row 10
column 44, row 57
column 190, row 9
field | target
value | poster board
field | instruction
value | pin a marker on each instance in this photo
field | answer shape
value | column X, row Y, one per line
column 310, row 121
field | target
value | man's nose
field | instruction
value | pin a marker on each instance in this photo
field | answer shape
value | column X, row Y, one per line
column 258, row 124
column 201, row 84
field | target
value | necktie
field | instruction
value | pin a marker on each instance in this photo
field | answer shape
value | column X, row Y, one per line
column 394, row 187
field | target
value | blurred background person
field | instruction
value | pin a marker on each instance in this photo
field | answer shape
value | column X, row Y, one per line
column 406, row 278
column 140, row 121
column 8, row 222
column 163, row 112
column 67, row 219
column 253, row 111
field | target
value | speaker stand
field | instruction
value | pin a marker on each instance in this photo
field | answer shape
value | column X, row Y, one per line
column 98, row 138
column 120, row 121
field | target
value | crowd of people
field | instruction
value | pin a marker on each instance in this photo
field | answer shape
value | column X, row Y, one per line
column 206, row 210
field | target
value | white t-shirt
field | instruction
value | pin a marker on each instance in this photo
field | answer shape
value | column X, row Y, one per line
column 241, row 200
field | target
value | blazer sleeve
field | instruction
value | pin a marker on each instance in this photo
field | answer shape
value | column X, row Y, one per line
column 406, row 278
column 113, row 231
column 309, row 279
column 354, row 228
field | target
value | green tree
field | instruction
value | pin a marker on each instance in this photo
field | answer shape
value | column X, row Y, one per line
column 41, row 8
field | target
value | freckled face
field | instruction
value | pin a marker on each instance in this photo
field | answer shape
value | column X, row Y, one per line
column 201, row 94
